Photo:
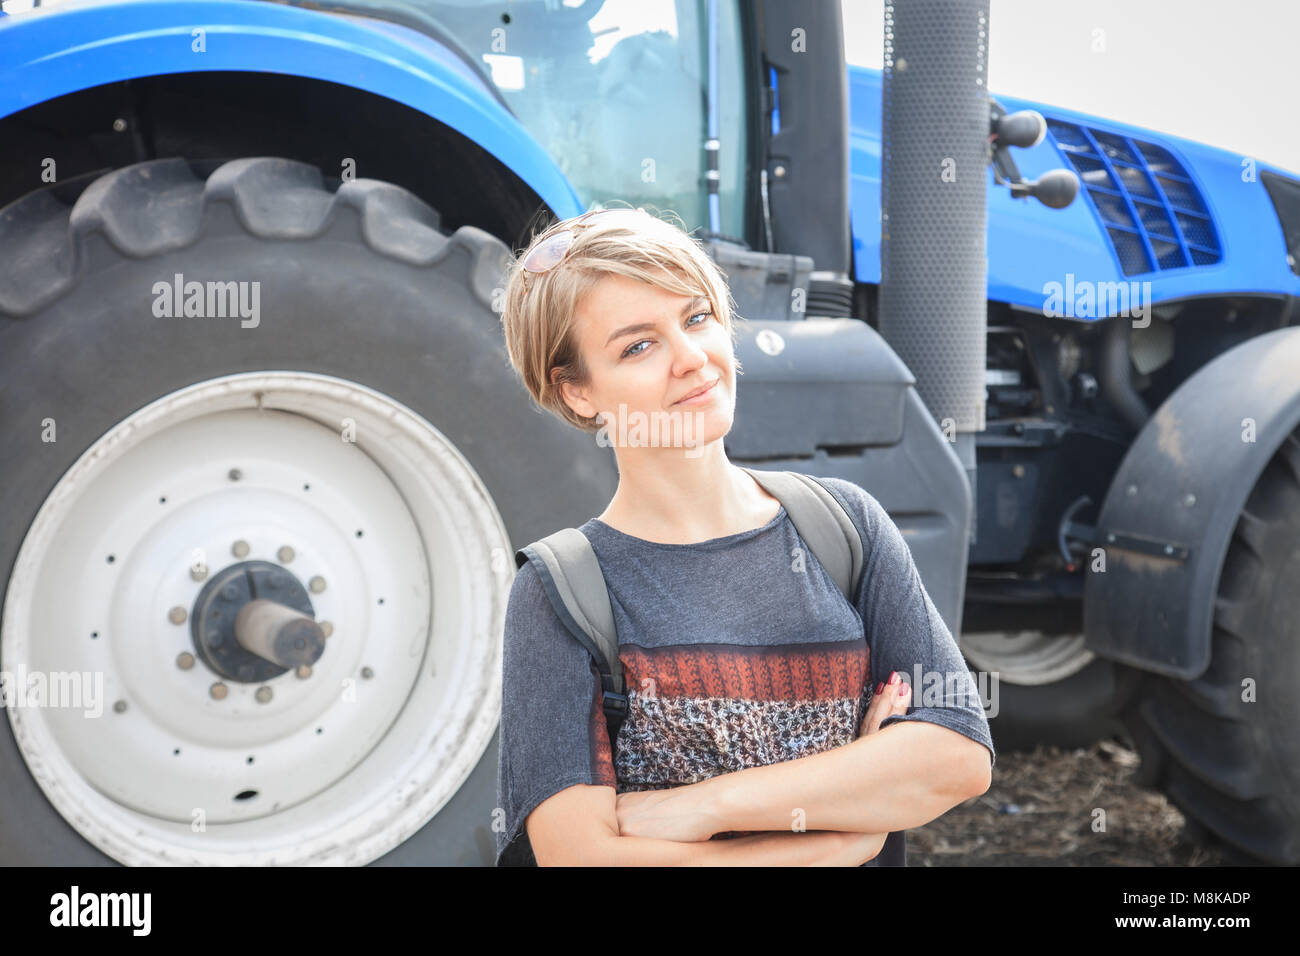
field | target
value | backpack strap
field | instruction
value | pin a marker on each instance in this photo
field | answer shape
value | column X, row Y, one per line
column 573, row 581
column 822, row 519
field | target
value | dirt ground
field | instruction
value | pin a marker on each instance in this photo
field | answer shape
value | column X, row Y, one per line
column 1040, row 808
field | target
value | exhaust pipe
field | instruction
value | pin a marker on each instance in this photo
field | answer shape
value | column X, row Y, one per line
column 933, row 275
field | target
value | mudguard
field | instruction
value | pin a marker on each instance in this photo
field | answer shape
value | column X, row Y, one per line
column 1168, row 518
column 47, row 54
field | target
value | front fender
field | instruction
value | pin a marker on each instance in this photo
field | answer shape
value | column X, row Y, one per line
column 49, row 53
column 1191, row 469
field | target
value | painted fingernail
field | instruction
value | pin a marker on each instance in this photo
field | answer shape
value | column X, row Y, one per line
column 880, row 687
column 893, row 677
column 904, row 690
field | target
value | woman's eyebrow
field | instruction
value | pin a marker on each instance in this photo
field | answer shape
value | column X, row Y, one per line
column 650, row 326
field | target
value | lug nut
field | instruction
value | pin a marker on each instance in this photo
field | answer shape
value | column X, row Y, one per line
column 285, row 554
column 263, row 694
column 218, row 691
column 239, row 549
column 326, row 628
column 198, row 571
column 317, row 584
column 176, row 615
column 304, row 672
column 184, row 660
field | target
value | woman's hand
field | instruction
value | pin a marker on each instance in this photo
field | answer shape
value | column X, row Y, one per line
column 892, row 699
column 865, row 846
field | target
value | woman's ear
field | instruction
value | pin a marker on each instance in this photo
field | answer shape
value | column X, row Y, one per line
column 573, row 395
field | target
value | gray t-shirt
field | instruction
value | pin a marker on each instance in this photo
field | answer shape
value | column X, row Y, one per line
column 737, row 652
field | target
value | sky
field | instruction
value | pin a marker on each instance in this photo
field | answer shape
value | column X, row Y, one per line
column 1222, row 73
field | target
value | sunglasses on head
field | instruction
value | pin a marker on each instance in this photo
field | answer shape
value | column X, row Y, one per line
column 546, row 255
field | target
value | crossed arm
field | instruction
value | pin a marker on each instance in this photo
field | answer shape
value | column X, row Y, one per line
column 846, row 800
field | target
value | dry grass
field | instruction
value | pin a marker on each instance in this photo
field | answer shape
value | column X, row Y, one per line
column 1040, row 811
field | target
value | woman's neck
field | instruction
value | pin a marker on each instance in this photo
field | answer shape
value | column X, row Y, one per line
column 679, row 500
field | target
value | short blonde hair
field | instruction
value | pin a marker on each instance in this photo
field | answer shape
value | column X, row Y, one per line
column 538, row 313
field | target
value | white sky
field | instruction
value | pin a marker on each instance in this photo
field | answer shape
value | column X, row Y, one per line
column 1222, row 73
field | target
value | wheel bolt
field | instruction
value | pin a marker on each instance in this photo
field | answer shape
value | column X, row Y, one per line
column 185, row 660
column 317, row 584
column 285, row 554
column 263, row 694
column 176, row 615
column 198, row 571
column 218, row 691
column 239, row 549
column 326, row 628
column 304, row 671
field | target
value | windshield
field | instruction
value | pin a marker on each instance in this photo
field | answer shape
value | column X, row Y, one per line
column 616, row 92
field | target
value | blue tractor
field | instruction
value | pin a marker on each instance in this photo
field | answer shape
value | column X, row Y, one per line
column 265, row 463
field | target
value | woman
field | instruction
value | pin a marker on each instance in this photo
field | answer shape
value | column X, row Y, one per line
column 753, row 735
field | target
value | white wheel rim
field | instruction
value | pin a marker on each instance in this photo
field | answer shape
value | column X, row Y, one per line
column 168, row 778
column 1028, row 658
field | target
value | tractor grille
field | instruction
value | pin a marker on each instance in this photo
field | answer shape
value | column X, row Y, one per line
column 1154, row 214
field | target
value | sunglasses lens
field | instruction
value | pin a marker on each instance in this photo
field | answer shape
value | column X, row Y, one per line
column 549, row 252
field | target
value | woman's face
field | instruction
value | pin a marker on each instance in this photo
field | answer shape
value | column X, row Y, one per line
column 647, row 349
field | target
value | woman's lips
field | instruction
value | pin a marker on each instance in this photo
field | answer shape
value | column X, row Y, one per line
column 702, row 397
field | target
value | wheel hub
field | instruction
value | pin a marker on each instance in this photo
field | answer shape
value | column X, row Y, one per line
column 276, row 633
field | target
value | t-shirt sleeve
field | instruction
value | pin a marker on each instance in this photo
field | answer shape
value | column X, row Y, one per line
column 905, row 631
column 553, row 733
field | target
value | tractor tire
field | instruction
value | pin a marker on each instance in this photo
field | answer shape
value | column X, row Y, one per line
column 1075, row 712
column 1223, row 747
column 355, row 431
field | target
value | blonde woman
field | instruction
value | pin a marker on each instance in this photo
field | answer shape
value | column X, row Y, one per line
column 768, row 722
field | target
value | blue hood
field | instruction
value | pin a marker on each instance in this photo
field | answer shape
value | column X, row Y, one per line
column 1190, row 219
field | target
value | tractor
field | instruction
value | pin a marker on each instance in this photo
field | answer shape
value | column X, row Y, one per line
column 265, row 463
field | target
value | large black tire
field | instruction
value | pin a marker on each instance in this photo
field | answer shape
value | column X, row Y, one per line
column 1233, row 766
column 1075, row 712
column 365, row 287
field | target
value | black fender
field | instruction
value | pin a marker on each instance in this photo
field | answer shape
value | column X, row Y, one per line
column 1169, row 515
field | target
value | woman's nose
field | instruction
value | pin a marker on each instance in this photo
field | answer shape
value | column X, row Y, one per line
column 688, row 354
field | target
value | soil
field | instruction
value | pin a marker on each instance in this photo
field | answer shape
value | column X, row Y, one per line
column 1040, row 811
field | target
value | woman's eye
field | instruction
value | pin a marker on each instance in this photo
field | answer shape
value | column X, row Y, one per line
column 632, row 349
